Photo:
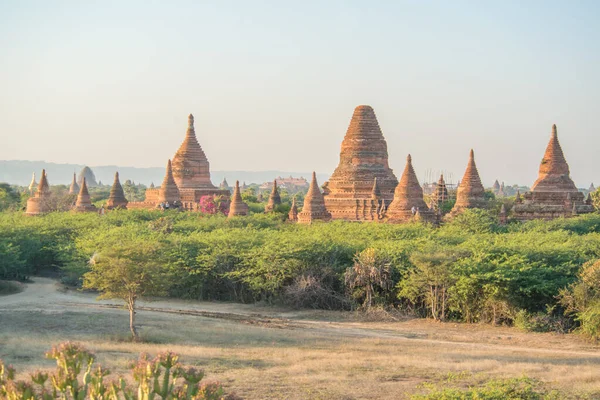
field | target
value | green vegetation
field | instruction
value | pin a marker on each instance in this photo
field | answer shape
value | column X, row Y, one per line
column 470, row 269
column 76, row 378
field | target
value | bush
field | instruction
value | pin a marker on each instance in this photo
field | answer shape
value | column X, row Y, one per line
column 76, row 377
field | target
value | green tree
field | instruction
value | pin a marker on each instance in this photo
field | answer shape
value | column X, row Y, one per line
column 368, row 273
column 129, row 271
column 9, row 198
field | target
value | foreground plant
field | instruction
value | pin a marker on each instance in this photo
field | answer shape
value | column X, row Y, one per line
column 76, row 378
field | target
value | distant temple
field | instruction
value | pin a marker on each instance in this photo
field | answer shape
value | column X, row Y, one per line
column 274, row 198
column 314, row 205
column 470, row 192
column 553, row 194
column 237, row 206
column 408, row 203
column 116, row 199
column 74, row 188
column 363, row 157
column 187, row 177
column 40, row 202
column 84, row 203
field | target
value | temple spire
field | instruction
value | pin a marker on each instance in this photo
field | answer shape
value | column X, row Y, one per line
column 74, row 188
column 314, row 204
column 43, row 186
column 554, row 170
column 293, row 214
column 408, row 197
column 84, row 203
column 237, row 207
column 169, row 192
column 116, row 199
column 470, row 192
column 274, row 198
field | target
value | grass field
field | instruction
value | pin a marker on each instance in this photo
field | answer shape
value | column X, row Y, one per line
column 269, row 353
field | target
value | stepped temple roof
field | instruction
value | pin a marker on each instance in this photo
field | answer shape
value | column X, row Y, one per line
column 363, row 157
column 554, row 194
column 237, row 207
column 116, row 199
column 314, row 205
column 191, row 169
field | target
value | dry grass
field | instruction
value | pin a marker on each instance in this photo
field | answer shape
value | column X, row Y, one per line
column 303, row 357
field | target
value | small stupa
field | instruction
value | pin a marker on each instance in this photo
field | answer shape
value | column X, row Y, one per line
column 470, row 192
column 441, row 193
column 40, row 202
column 363, row 157
column 32, row 185
column 554, row 193
column 74, row 188
column 314, row 205
column 274, row 198
column 84, row 203
column 237, row 206
column 224, row 185
column 408, row 199
column 116, row 199
column 293, row 214
column 169, row 192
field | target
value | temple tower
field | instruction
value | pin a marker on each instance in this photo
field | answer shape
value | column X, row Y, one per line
column 84, row 203
column 191, row 169
column 408, row 198
column 169, row 192
column 554, row 193
column 74, row 188
column 237, row 207
column 293, row 214
column 314, row 205
column 32, row 185
column 40, row 204
column 470, row 192
column 116, row 199
column 441, row 192
column 274, row 198
column 363, row 157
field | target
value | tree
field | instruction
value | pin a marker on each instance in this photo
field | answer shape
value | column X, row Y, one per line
column 9, row 198
column 128, row 271
column 430, row 281
column 368, row 272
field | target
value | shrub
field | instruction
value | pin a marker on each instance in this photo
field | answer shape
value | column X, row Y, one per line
column 76, row 377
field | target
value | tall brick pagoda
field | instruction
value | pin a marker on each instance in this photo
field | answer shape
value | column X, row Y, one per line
column 39, row 203
column 553, row 194
column 116, row 199
column 84, row 203
column 237, row 206
column 408, row 199
column 191, row 169
column 314, row 205
column 470, row 192
column 363, row 158
column 274, row 198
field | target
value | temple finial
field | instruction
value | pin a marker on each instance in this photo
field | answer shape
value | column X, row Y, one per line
column 190, row 121
column 554, row 130
column 408, row 158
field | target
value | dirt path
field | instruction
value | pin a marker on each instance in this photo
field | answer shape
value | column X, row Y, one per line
column 44, row 294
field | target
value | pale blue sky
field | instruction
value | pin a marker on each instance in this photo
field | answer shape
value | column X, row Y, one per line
column 273, row 84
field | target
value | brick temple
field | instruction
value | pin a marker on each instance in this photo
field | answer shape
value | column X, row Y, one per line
column 470, row 192
column 554, row 193
column 363, row 158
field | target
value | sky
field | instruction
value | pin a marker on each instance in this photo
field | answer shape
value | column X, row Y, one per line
column 273, row 84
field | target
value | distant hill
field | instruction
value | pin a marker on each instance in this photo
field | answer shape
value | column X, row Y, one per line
column 18, row 172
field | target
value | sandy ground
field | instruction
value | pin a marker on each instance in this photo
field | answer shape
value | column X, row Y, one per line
column 268, row 352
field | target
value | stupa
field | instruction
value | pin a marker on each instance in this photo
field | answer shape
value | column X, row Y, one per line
column 314, row 208
column 224, row 185
column 408, row 199
column 363, row 158
column 169, row 191
column 89, row 176
column 32, row 185
column 293, row 214
column 274, row 198
column 237, row 206
column 74, row 188
column 84, row 203
column 116, row 199
column 470, row 192
column 553, row 194
column 40, row 202
column 441, row 193
column 191, row 169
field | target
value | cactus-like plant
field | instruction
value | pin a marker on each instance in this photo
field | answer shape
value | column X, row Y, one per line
column 75, row 378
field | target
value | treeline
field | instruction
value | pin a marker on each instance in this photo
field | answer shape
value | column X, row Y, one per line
column 540, row 275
